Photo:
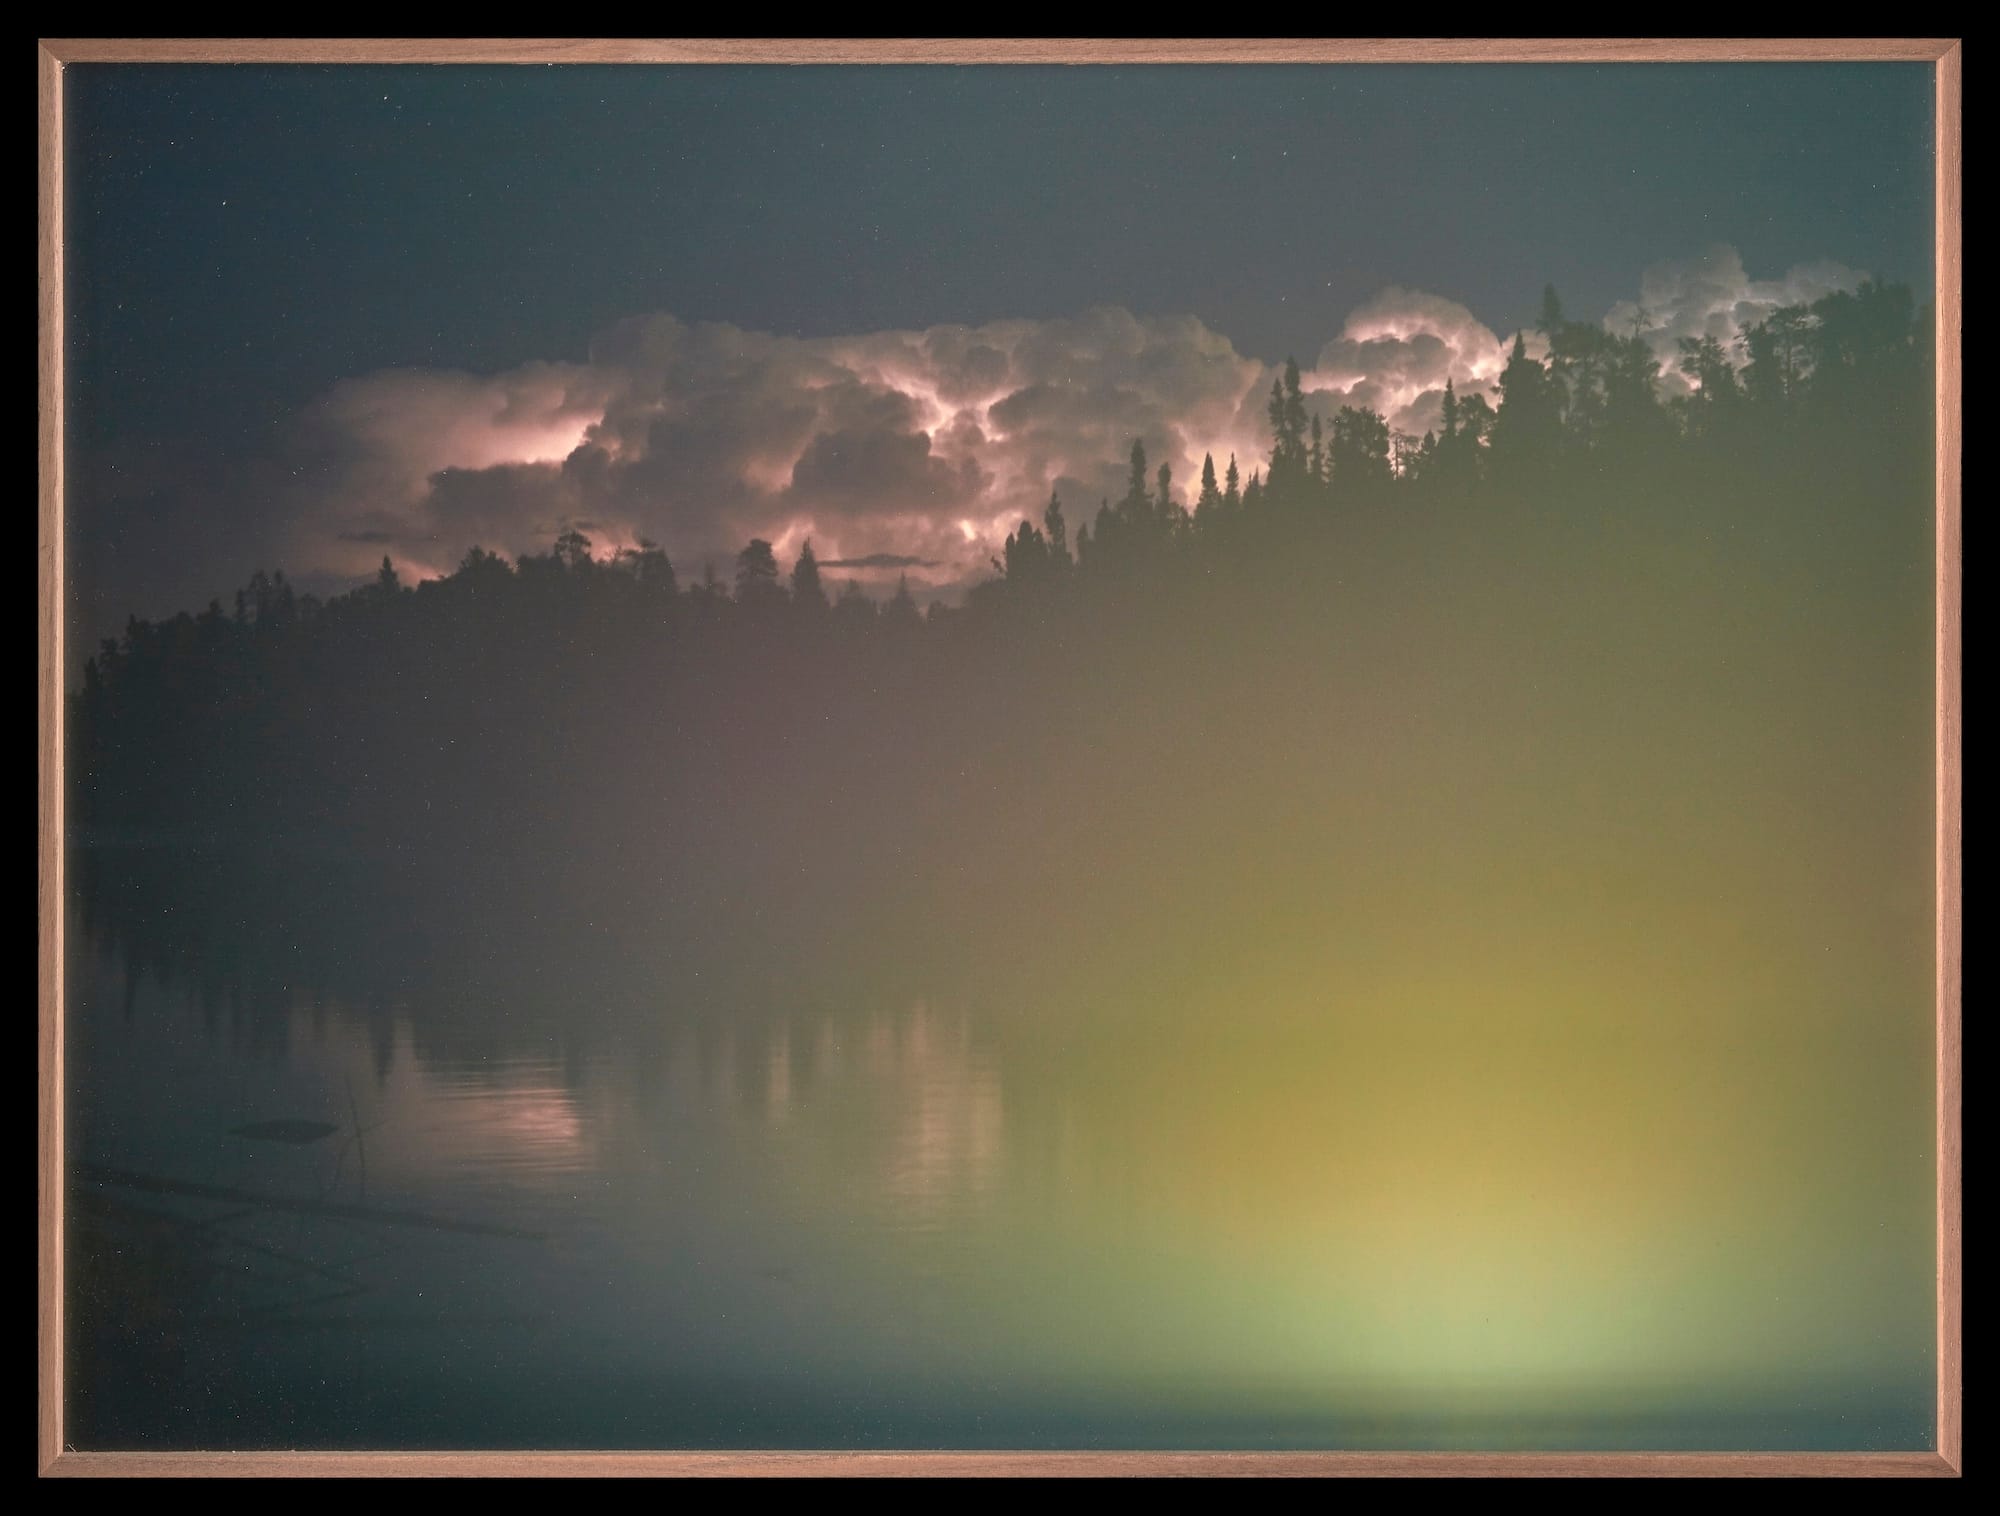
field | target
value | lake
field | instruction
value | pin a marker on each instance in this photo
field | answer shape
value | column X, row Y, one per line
column 1317, row 1207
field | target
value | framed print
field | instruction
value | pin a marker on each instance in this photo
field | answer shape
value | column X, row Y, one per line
column 1018, row 757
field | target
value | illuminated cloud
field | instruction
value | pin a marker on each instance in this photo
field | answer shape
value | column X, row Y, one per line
column 1712, row 296
column 1396, row 353
column 382, row 453
column 896, row 452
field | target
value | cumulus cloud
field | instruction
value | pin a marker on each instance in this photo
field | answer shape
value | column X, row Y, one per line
column 379, row 452
column 906, row 451
column 893, row 451
column 1397, row 351
column 1712, row 296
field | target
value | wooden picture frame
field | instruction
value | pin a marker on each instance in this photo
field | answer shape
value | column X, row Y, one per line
column 54, row 1457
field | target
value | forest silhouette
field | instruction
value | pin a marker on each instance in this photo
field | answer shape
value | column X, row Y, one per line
column 1174, row 732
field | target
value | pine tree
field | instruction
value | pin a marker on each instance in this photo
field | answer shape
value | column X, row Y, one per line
column 1056, row 529
column 901, row 611
column 1714, row 401
column 1550, row 322
column 853, row 607
column 1525, row 430
column 1209, row 501
column 1143, row 517
column 1024, row 556
column 1287, row 413
column 1360, row 449
column 1138, row 498
column 1166, row 514
column 807, row 592
column 757, row 574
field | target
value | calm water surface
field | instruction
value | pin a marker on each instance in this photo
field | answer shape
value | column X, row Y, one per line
column 921, row 1223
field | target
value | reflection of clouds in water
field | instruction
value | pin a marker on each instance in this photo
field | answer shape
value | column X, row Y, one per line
column 497, row 1118
column 518, row 1120
column 898, row 1112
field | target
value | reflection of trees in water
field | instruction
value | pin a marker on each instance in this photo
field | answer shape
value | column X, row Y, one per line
column 936, row 1092
column 264, row 941
column 909, row 1102
column 245, row 936
column 326, row 964
column 950, row 1137
column 889, row 1112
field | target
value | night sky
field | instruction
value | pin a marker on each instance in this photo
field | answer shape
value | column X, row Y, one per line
column 243, row 240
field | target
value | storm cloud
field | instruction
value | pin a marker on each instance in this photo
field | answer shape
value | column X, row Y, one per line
column 895, row 452
column 1713, row 296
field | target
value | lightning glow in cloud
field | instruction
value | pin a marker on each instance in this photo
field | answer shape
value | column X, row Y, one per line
column 914, row 448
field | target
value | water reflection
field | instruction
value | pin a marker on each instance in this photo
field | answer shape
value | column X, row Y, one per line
column 898, row 1114
column 916, row 1096
column 950, row 1138
column 653, row 1222
column 513, row 1117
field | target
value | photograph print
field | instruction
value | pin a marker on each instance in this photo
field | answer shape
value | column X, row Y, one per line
column 999, row 757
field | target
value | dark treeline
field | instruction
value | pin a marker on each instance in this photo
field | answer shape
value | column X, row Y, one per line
column 1152, row 715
